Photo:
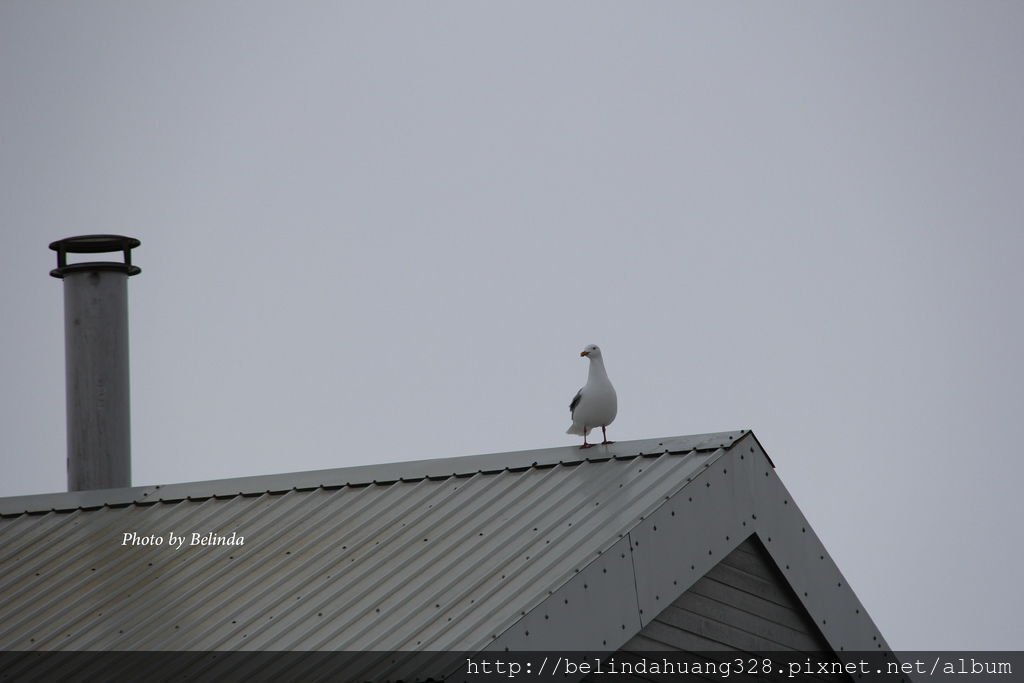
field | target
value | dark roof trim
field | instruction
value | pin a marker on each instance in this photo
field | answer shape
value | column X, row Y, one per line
column 364, row 474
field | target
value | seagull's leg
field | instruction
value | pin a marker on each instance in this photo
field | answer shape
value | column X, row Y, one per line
column 585, row 444
column 605, row 435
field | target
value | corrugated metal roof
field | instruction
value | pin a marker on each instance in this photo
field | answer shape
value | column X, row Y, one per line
column 435, row 554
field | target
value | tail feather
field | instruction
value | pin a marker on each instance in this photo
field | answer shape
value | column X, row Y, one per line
column 577, row 430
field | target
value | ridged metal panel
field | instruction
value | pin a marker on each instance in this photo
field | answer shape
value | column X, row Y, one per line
column 431, row 563
column 365, row 474
column 600, row 602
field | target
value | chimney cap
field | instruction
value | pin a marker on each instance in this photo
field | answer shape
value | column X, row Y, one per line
column 94, row 244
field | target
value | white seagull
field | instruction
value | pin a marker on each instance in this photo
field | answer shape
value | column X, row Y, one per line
column 595, row 404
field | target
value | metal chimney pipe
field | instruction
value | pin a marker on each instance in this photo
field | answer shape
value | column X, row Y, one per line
column 96, row 360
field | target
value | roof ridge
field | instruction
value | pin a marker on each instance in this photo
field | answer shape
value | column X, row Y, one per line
column 363, row 475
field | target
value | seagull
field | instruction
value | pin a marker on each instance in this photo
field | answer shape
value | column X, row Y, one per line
column 595, row 404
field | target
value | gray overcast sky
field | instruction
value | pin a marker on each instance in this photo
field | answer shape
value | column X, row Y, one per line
column 384, row 231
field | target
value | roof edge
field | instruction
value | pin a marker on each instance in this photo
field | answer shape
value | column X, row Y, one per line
column 363, row 475
column 645, row 574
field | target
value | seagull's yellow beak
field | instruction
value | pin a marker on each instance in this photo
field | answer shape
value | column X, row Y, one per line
column 584, row 353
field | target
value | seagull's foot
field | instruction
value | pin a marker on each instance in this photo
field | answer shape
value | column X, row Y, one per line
column 607, row 443
column 587, row 445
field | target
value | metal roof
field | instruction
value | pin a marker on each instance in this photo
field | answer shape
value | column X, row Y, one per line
column 461, row 554
column 384, row 473
column 436, row 554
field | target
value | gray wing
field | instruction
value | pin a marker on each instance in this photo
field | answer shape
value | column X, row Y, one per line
column 575, row 401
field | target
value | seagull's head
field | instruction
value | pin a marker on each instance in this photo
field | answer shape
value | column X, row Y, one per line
column 592, row 351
